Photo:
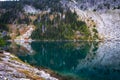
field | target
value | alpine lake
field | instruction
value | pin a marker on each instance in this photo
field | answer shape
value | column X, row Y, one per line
column 80, row 60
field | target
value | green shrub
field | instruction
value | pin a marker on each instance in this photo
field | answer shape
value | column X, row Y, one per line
column 94, row 30
column 2, row 42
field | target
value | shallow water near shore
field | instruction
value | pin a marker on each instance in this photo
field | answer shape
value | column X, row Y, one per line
column 76, row 60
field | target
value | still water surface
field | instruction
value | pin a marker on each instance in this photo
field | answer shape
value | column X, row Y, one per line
column 78, row 60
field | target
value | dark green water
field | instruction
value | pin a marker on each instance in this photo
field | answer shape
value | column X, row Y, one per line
column 77, row 60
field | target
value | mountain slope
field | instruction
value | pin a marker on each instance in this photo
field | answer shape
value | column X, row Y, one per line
column 107, row 20
column 53, row 19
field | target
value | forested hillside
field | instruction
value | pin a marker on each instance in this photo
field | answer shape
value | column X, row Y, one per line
column 51, row 19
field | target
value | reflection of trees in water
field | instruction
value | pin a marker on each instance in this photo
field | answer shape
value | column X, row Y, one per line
column 59, row 55
column 105, row 64
column 82, row 58
column 21, row 48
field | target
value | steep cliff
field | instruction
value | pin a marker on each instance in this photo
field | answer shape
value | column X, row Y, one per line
column 107, row 20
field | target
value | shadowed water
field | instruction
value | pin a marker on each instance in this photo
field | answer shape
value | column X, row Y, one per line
column 77, row 60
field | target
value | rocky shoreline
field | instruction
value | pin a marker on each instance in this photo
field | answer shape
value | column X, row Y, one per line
column 12, row 68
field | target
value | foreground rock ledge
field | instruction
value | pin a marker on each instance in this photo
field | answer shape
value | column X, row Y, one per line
column 11, row 68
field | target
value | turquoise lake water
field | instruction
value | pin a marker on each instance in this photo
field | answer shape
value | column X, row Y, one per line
column 78, row 60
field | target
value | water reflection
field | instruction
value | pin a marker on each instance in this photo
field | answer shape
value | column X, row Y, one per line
column 21, row 48
column 105, row 65
column 86, row 60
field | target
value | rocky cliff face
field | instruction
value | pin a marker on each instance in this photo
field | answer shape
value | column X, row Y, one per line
column 107, row 20
column 97, row 5
column 107, row 23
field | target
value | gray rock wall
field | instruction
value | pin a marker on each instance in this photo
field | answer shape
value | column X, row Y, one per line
column 107, row 21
